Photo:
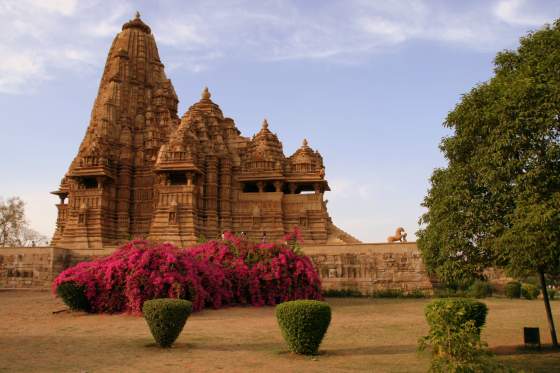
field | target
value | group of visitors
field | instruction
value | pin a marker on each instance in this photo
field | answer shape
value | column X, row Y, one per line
column 244, row 236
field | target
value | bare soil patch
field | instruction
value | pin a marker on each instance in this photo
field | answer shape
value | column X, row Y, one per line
column 365, row 335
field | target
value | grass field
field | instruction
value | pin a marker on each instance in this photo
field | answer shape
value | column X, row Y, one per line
column 373, row 335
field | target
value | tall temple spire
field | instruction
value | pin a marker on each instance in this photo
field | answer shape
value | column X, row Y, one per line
column 133, row 114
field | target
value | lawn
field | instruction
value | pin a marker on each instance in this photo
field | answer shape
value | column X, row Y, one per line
column 365, row 335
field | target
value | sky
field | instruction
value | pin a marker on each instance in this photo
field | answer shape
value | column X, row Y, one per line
column 368, row 83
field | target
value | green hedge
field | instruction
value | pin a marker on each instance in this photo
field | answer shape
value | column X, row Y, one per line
column 303, row 324
column 530, row 291
column 166, row 318
column 480, row 289
column 73, row 295
column 343, row 293
column 454, row 336
column 513, row 289
column 450, row 293
column 457, row 311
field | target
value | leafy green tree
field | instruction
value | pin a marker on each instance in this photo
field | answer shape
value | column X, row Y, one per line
column 497, row 203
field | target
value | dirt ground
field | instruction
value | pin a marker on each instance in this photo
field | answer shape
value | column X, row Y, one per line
column 374, row 335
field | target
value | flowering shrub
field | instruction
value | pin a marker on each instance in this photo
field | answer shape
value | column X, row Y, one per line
column 212, row 274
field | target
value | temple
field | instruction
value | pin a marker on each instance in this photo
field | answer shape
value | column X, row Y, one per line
column 143, row 172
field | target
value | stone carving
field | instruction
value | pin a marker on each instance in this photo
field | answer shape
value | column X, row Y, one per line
column 400, row 235
column 143, row 172
column 368, row 268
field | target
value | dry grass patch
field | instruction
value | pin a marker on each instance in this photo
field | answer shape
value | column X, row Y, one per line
column 365, row 335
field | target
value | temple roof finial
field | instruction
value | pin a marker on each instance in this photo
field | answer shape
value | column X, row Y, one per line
column 265, row 124
column 206, row 94
column 304, row 142
column 137, row 23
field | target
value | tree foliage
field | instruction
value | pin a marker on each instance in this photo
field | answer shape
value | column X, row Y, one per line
column 14, row 230
column 497, row 203
column 498, row 200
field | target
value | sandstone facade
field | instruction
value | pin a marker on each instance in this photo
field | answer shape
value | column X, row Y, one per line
column 143, row 172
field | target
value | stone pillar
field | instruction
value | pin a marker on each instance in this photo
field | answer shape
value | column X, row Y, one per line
column 260, row 185
column 317, row 188
column 278, row 186
column 122, row 202
column 225, row 208
column 293, row 187
column 211, row 197
column 60, row 220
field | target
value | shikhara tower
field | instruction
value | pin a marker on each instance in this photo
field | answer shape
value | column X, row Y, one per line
column 142, row 172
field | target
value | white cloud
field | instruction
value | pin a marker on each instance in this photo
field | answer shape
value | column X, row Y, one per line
column 63, row 34
column 390, row 31
column 39, row 38
column 18, row 70
column 519, row 12
column 64, row 7
column 105, row 25
column 178, row 33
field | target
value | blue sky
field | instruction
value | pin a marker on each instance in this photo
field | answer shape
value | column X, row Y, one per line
column 368, row 83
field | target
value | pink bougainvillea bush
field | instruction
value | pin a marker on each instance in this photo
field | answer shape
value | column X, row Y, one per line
column 213, row 274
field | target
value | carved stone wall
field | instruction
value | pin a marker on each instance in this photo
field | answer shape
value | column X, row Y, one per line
column 363, row 267
column 368, row 268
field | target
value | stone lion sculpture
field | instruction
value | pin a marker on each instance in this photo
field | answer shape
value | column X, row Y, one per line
column 400, row 235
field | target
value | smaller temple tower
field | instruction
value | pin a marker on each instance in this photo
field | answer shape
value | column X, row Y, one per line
column 210, row 179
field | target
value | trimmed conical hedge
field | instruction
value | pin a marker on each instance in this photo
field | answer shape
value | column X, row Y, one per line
column 303, row 324
column 166, row 318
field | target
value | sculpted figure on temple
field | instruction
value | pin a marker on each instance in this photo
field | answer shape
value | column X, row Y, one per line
column 400, row 236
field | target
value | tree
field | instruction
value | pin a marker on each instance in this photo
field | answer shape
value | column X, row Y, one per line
column 14, row 230
column 497, row 203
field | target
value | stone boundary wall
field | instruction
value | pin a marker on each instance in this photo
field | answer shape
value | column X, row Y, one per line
column 31, row 267
column 365, row 268
column 369, row 268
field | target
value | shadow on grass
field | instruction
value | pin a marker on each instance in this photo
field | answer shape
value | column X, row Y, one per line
column 355, row 351
column 175, row 346
column 369, row 350
column 343, row 302
column 522, row 350
column 338, row 302
column 545, row 360
column 265, row 346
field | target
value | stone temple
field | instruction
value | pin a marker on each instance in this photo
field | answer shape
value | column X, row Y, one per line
column 141, row 171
